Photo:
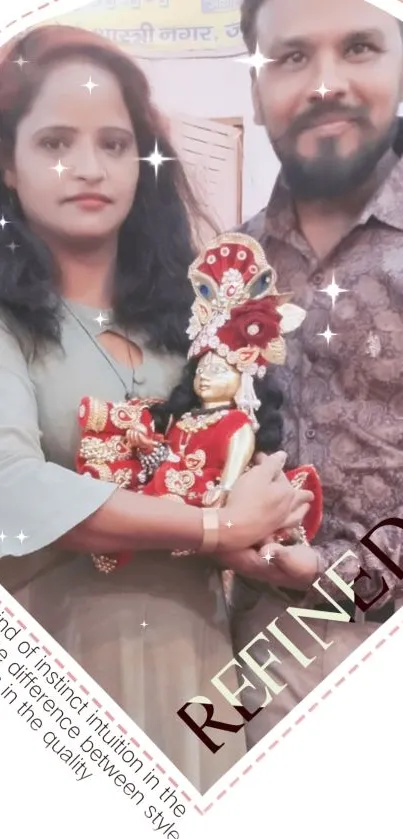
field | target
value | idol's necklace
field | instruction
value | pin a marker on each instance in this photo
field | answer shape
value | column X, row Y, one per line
column 195, row 412
column 192, row 422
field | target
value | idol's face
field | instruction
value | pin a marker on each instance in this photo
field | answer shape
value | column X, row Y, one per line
column 90, row 135
column 328, row 144
column 215, row 380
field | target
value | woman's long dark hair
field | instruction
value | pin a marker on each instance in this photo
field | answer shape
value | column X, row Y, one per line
column 155, row 241
column 156, row 244
column 183, row 399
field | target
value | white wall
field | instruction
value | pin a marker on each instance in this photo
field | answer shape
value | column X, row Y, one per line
column 218, row 87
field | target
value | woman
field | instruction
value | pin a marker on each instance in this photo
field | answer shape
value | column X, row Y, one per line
column 94, row 299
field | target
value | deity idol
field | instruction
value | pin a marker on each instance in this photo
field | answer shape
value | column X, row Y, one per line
column 194, row 456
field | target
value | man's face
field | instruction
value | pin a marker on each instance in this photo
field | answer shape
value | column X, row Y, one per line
column 328, row 145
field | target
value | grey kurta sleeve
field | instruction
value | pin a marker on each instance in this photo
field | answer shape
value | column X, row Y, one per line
column 41, row 499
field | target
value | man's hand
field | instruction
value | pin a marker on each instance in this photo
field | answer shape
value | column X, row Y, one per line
column 293, row 567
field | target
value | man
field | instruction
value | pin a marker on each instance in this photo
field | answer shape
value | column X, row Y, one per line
column 328, row 101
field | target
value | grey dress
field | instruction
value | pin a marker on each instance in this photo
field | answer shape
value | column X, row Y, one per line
column 149, row 671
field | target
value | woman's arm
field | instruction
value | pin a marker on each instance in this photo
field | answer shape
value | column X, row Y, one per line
column 127, row 521
column 54, row 505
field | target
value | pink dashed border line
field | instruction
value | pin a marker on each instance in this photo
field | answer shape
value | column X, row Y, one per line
column 28, row 14
column 300, row 719
column 262, row 755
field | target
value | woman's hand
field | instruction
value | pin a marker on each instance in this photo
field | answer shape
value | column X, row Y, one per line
column 294, row 567
column 261, row 502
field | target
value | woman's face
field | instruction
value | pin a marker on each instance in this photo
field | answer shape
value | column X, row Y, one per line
column 91, row 135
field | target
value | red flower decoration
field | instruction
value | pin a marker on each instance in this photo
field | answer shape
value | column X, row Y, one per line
column 256, row 322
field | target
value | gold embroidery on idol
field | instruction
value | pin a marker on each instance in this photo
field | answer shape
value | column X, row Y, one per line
column 104, row 563
column 104, row 473
column 97, row 415
column 96, row 451
column 190, row 423
column 196, row 461
column 298, row 481
column 275, row 352
column 179, row 483
column 123, row 477
column 124, row 415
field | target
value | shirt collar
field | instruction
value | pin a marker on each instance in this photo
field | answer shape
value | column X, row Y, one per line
column 386, row 204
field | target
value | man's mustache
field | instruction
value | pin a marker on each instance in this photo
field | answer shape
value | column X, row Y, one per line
column 309, row 119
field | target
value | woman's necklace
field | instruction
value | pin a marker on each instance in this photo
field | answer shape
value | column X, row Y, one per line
column 129, row 392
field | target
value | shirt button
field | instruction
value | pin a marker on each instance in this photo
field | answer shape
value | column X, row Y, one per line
column 310, row 434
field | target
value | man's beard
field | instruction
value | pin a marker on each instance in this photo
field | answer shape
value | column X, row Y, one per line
column 328, row 175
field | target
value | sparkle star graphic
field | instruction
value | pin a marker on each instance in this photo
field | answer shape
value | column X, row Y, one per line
column 257, row 60
column 322, row 90
column 2, row 536
column 144, row 624
column 101, row 319
column 90, row 85
column 20, row 61
column 333, row 290
column 59, row 168
column 327, row 334
column 21, row 536
column 156, row 159
column 228, row 524
column 12, row 246
column 3, row 222
column 268, row 557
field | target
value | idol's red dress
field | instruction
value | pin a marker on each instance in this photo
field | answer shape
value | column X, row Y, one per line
column 201, row 456
column 197, row 451
column 104, row 452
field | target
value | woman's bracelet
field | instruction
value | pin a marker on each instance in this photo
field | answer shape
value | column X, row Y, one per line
column 211, row 530
column 211, row 533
